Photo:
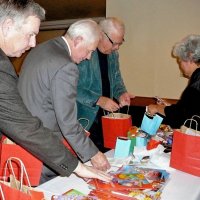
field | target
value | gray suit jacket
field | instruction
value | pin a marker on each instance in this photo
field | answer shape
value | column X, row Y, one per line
column 17, row 123
column 48, row 86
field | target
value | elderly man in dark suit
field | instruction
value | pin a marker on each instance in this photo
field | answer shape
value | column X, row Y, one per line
column 19, row 25
column 48, row 84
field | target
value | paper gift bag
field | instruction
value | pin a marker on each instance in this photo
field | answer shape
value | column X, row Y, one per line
column 139, row 141
column 14, row 189
column 1, row 193
column 192, row 128
column 185, row 155
column 150, row 124
column 115, row 125
column 15, row 194
column 123, row 147
column 33, row 165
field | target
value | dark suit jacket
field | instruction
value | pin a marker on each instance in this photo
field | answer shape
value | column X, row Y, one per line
column 48, row 86
column 17, row 123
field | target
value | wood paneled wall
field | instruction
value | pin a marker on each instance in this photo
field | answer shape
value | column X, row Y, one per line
column 60, row 14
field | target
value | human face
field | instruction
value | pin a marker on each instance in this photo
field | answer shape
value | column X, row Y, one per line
column 83, row 52
column 114, row 44
column 186, row 67
column 22, row 36
column 111, row 42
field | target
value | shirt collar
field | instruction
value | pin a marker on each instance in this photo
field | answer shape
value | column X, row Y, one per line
column 67, row 45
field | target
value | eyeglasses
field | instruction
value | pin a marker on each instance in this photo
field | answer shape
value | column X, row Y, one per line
column 113, row 43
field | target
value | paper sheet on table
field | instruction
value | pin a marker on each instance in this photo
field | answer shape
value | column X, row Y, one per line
column 118, row 162
column 157, row 156
column 60, row 185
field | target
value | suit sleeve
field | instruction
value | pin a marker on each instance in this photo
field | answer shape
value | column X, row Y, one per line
column 17, row 123
column 64, row 91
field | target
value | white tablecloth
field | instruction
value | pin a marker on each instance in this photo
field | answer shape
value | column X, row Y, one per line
column 180, row 186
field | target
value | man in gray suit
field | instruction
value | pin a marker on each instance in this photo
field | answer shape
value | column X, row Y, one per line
column 48, row 85
column 19, row 25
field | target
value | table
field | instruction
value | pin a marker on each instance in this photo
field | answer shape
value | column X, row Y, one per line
column 180, row 186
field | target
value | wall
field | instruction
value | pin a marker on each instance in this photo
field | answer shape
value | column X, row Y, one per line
column 60, row 15
column 41, row 37
column 152, row 28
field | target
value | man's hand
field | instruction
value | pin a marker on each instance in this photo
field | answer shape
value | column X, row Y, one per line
column 99, row 161
column 125, row 99
column 90, row 172
column 107, row 104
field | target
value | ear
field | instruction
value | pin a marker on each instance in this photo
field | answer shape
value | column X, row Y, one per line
column 78, row 40
column 7, row 25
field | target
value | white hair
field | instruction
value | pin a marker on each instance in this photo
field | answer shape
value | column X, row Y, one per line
column 188, row 49
column 86, row 28
column 112, row 25
column 20, row 10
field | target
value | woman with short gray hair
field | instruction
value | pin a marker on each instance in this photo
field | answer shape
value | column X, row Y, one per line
column 188, row 49
column 187, row 53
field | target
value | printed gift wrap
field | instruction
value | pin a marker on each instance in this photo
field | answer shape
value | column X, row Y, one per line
column 137, row 136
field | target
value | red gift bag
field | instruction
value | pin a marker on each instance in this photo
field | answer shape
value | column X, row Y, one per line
column 185, row 155
column 9, row 193
column 14, row 189
column 115, row 125
column 33, row 165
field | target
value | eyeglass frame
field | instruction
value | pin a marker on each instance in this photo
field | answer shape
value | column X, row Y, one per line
column 110, row 40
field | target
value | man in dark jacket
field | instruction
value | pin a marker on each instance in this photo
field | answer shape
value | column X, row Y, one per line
column 19, row 25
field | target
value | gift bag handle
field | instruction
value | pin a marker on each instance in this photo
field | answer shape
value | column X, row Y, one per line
column 191, row 120
column 128, row 106
column 197, row 116
column 127, row 109
column 1, row 193
column 104, row 112
column 22, row 171
column 87, row 120
column 118, row 111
